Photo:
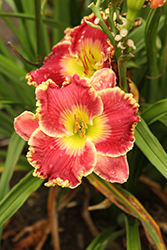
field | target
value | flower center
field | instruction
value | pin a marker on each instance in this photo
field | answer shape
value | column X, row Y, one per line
column 89, row 62
column 80, row 125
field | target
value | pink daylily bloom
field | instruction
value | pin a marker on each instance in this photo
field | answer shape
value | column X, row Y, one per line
column 84, row 50
column 157, row 3
column 79, row 129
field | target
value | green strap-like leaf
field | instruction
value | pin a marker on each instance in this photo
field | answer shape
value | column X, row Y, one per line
column 151, row 28
column 155, row 111
column 102, row 240
column 60, row 14
column 17, row 196
column 151, row 147
column 14, row 150
column 132, row 232
column 16, row 77
column 129, row 204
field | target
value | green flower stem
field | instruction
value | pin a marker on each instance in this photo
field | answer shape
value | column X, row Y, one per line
column 122, row 75
column 133, row 8
column 98, row 3
column 111, row 21
column 121, row 65
column 120, row 61
column 38, row 20
column 104, row 27
column 130, row 21
column 53, row 217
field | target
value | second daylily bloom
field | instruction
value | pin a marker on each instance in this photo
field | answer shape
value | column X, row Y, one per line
column 83, row 127
column 157, row 3
column 83, row 50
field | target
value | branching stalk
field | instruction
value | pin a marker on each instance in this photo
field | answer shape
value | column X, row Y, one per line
column 121, row 65
column 52, row 213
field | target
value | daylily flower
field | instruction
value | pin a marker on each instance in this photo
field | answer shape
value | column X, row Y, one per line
column 85, row 126
column 157, row 3
column 83, row 51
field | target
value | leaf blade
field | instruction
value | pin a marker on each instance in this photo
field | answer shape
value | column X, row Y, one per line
column 151, row 147
column 129, row 204
column 102, row 240
column 17, row 196
column 132, row 232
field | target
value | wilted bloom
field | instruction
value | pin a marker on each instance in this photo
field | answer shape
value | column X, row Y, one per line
column 157, row 3
column 85, row 126
column 83, row 51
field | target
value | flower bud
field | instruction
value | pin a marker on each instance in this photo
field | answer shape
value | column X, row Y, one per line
column 157, row 3
column 133, row 7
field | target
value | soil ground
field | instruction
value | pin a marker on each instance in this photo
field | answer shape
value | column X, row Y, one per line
column 74, row 233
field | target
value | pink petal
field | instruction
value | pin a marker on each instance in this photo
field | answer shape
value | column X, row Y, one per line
column 63, row 61
column 90, row 47
column 83, row 33
column 58, row 162
column 103, row 78
column 56, row 105
column 25, row 124
column 113, row 169
column 51, row 68
column 120, row 119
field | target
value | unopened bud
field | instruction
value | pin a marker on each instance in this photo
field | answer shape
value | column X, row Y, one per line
column 133, row 7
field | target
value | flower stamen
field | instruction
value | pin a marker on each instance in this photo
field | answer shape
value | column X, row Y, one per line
column 80, row 124
column 90, row 52
column 86, row 59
